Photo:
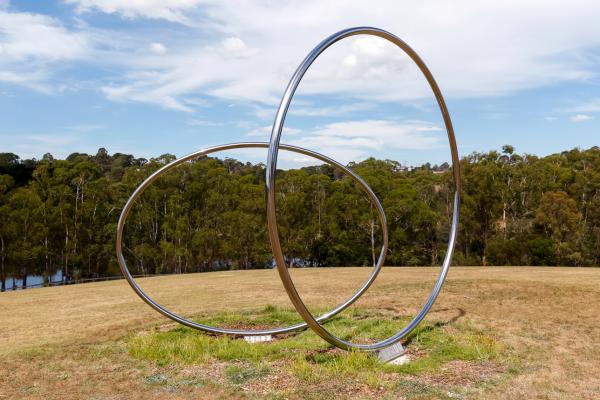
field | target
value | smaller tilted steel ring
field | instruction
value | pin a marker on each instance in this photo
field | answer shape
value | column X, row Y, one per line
column 140, row 189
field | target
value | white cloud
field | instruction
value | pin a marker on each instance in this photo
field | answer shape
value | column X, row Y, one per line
column 330, row 111
column 246, row 51
column 581, row 117
column 130, row 93
column 357, row 140
column 589, row 106
column 286, row 159
column 170, row 10
column 347, row 141
column 264, row 132
column 158, row 48
column 469, row 56
column 350, row 61
column 583, row 111
column 31, row 44
column 264, row 113
column 34, row 37
column 235, row 47
column 33, row 80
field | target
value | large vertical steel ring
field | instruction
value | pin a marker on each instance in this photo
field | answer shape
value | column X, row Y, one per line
column 237, row 332
column 270, row 183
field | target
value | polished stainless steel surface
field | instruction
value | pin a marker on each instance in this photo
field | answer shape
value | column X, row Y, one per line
column 271, row 170
column 265, row 332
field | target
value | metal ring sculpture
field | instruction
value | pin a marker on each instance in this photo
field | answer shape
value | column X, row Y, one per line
column 206, row 328
column 270, row 181
column 274, row 145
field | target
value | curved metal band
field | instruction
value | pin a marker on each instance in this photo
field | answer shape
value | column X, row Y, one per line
column 138, row 192
column 270, row 182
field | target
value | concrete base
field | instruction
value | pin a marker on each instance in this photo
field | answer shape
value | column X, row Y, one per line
column 392, row 353
column 403, row 359
column 258, row 339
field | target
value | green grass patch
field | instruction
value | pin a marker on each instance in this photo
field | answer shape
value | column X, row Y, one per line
column 268, row 316
column 441, row 344
column 307, row 358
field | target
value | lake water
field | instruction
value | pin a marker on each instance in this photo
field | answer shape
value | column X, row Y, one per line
column 32, row 280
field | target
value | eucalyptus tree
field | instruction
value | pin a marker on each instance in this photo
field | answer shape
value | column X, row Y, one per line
column 6, row 182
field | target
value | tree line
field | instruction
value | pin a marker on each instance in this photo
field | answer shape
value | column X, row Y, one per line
column 209, row 214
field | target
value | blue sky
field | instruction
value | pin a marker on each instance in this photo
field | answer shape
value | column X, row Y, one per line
column 149, row 77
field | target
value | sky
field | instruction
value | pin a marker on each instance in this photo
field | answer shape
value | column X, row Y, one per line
column 149, row 77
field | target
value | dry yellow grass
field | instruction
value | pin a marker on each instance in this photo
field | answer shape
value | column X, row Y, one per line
column 66, row 342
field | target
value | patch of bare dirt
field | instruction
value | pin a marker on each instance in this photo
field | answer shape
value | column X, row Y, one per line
column 462, row 373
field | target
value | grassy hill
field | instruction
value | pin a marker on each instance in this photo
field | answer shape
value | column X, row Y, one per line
column 495, row 333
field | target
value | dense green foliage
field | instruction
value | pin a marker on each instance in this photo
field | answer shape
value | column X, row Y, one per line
column 60, row 215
